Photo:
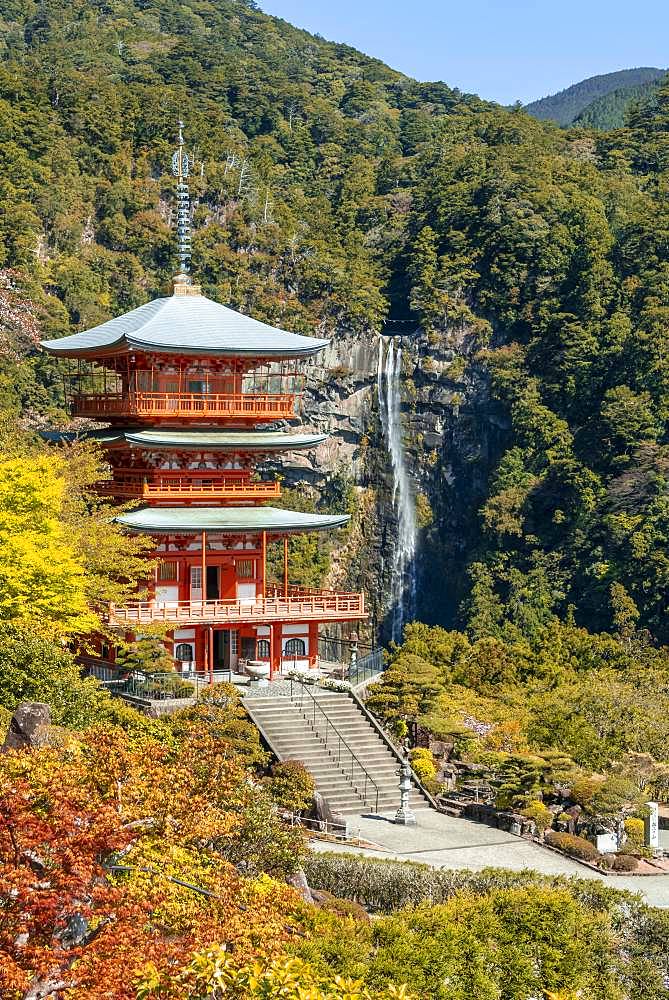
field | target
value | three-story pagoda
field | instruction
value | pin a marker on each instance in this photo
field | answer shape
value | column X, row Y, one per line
column 188, row 388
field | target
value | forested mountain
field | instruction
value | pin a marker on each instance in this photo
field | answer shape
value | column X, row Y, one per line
column 611, row 110
column 621, row 88
column 332, row 192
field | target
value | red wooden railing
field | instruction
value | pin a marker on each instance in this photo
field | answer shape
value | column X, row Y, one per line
column 245, row 406
column 316, row 606
column 150, row 484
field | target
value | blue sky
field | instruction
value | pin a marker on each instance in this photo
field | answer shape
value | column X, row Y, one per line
column 504, row 50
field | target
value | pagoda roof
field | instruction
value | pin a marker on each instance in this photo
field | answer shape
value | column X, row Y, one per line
column 195, row 440
column 230, row 520
column 186, row 325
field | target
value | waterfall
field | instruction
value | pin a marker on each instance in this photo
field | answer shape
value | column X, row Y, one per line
column 403, row 556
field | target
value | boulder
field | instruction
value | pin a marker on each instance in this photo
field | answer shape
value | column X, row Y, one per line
column 324, row 815
column 298, row 880
column 29, row 727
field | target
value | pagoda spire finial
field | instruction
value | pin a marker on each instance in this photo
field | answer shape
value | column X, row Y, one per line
column 181, row 164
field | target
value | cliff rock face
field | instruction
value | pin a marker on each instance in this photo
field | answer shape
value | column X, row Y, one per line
column 452, row 435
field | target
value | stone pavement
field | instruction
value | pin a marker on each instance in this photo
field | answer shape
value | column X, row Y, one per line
column 447, row 842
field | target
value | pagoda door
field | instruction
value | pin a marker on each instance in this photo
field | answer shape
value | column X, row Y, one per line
column 196, row 583
column 213, row 587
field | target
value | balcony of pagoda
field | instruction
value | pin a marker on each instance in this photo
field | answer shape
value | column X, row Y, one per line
column 185, row 486
column 297, row 605
column 242, row 408
column 154, row 396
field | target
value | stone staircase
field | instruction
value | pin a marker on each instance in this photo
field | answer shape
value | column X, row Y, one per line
column 353, row 767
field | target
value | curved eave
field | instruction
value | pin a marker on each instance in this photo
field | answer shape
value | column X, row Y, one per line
column 227, row 520
column 132, row 345
column 185, row 326
column 270, row 441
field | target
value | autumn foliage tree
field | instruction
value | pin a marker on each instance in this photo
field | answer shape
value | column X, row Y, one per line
column 115, row 854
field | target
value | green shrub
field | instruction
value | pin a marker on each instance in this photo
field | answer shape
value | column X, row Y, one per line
column 386, row 886
column 540, row 814
column 343, row 907
column 624, row 863
column 576, row 847
column 291, row 786
column 635, row 830
column 432, row 786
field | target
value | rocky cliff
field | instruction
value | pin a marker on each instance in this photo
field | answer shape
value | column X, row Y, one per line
column 451, row 436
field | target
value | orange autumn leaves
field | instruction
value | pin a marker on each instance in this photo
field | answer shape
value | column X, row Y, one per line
column 113, row 855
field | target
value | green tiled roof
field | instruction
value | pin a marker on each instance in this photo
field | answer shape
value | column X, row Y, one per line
column 196, row 440
column 185, row 324
column 274, row 520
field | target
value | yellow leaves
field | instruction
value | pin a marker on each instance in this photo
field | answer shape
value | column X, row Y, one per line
column 212, row 972
column 41, row 579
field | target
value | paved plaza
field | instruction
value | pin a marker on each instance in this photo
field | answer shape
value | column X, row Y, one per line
column 446, row 842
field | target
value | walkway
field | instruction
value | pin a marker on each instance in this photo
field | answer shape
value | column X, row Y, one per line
column 446, row 842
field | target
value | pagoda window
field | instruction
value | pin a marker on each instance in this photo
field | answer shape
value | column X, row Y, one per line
column 295, row 647
column 183, row 652
column 263, row 649
column 168, row 571
column 245, row 569
column 196, row 583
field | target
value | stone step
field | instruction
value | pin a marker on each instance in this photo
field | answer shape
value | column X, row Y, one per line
column 298, row 734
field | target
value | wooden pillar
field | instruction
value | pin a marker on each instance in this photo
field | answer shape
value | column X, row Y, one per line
column 204, row 565
column 201, row 650
column 285, row 566
column 263, row 592
column 271, row 651
column 211, row 656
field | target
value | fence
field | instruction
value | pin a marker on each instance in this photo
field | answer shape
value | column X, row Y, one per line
column 152, row 687
column 365, row 668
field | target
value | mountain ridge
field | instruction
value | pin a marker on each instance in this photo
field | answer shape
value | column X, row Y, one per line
column 567, row 105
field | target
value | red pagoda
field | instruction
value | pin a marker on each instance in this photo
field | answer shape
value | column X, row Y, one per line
column 188, row 388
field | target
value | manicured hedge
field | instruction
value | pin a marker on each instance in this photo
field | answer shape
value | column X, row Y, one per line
column 385, row 886
column 576, row 847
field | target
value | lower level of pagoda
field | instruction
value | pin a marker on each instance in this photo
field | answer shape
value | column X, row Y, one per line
column 212, row 592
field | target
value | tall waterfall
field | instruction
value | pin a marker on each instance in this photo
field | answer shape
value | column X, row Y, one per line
column 403, row 556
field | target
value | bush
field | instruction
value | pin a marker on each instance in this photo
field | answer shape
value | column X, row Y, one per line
column 291, row 786
column 343, row 907
column 386, row 886
column 576, row 847
column 423, row 763
column 540, row 815
column 635, row 830
column 584, row 788
column 432, row 786
column 624, row 863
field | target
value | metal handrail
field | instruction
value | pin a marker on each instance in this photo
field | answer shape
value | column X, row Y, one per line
column 341, row 741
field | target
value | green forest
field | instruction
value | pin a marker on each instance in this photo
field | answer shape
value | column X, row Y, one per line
column 600, row 101
column 334, row 193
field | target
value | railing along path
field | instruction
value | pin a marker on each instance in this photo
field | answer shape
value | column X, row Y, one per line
column 347, row 760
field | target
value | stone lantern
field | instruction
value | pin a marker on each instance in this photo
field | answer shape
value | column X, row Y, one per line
column 404, row 816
